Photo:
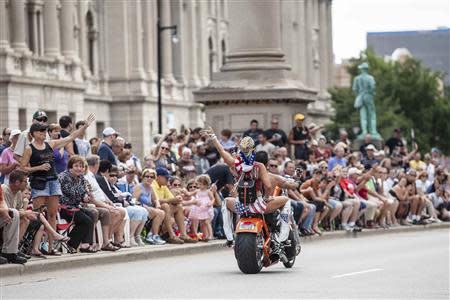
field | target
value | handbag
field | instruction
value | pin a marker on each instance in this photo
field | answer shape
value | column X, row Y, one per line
column 38, row 183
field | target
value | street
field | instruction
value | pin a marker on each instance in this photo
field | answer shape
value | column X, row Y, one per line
column 413, row 265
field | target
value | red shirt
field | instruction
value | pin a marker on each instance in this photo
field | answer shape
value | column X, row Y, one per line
column 347, row 185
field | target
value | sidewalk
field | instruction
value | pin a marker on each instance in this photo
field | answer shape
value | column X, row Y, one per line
column 79, row 260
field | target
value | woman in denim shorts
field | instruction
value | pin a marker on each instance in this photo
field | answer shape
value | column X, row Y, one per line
column 39, row 161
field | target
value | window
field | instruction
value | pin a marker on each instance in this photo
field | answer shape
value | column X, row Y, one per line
column 34, row 26
column 211, row 56
column 223, row 51
column 100, row 127
column 22, row 118
column 52, row 117
column 73, row 117
column 91, row 38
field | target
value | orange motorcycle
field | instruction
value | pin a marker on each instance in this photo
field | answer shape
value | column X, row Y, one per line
column 259, row 242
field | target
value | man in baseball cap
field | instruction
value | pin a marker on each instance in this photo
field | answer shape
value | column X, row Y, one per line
column 38, row 117
column 299, row 136
column 172, row 207
column 108, row 131
column 105, row 149
column 369, row 161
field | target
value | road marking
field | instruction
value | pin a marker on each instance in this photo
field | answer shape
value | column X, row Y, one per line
column 356, row 273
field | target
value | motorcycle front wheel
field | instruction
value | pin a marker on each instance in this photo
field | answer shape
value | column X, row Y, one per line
column 248, row 251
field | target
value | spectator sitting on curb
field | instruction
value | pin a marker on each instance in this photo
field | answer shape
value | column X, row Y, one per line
column 172, row 208
column 109, row 215
column 74, row 193
column 116, row 210
column 138, row 215
column 10, row 224
column 145, row 196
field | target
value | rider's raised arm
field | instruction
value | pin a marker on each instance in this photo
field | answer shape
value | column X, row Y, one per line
column 227, row 157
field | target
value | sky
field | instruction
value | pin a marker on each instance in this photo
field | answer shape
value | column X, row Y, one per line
column 352, row 19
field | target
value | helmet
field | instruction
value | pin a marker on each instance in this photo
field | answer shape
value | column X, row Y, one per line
column 247, row 145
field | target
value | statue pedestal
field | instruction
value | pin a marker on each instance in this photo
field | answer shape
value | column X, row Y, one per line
column 378, row 143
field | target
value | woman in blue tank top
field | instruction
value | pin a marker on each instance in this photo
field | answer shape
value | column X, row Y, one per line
column 145, row 196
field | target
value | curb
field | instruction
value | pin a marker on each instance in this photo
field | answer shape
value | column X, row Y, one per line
column 152, row 252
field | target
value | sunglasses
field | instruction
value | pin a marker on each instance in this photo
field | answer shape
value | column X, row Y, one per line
column 41, row 120
column 176, row 184
column 113, row 175
column 273, row 166
column 192, row 186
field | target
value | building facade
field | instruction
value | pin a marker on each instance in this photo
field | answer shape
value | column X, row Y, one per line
column 432, row 47
column 71, row 57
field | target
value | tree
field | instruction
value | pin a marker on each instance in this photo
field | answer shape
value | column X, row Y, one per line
column 407, row 97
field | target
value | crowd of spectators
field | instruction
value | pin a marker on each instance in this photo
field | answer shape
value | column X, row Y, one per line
column 52, row 175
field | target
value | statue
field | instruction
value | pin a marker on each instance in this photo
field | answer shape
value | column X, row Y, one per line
column 364, row 86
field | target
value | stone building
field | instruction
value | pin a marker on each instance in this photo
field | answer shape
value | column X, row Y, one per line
column 71, row 57
column 273, row 69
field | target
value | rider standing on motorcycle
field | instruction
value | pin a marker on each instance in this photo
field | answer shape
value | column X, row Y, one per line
column 245, row 165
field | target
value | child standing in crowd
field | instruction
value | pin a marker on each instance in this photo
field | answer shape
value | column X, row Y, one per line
column 203, row 212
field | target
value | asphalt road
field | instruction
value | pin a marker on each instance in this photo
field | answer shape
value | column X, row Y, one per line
column 412, row 265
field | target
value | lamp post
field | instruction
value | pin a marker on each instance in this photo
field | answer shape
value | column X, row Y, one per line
column 160, row 29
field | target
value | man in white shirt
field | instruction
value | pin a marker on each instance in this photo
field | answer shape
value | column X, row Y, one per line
column 102, row 203
column 83, row 145
column 264, row 145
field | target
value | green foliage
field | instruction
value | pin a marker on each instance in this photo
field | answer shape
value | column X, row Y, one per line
column 407, row 97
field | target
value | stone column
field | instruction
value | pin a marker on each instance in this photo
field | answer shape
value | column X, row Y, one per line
column 255, row 82
column 51, row 28
column 255, row 42
column 166, row 41
column 149, row 28
column 135, row 39
column 4, row 43
column 203, row 55
column 193, row 79
column 302, row 60
column 308, row 42
column 67, row 28
column 330, row 45
column 323, row 46
column 179, row 50
column 315, row 44
column 17, row 23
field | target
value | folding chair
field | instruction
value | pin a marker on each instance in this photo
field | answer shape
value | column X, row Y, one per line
column 63, row 228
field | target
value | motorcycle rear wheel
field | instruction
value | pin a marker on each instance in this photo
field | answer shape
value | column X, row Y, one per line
column 248, row 251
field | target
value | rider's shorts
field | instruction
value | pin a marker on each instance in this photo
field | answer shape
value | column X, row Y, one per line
column 257, row 207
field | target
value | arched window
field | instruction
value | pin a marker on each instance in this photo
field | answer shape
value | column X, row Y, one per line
column 35, row 34
column 91, row 37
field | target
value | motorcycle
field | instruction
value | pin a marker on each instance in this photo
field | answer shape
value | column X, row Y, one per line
column 259, row 242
